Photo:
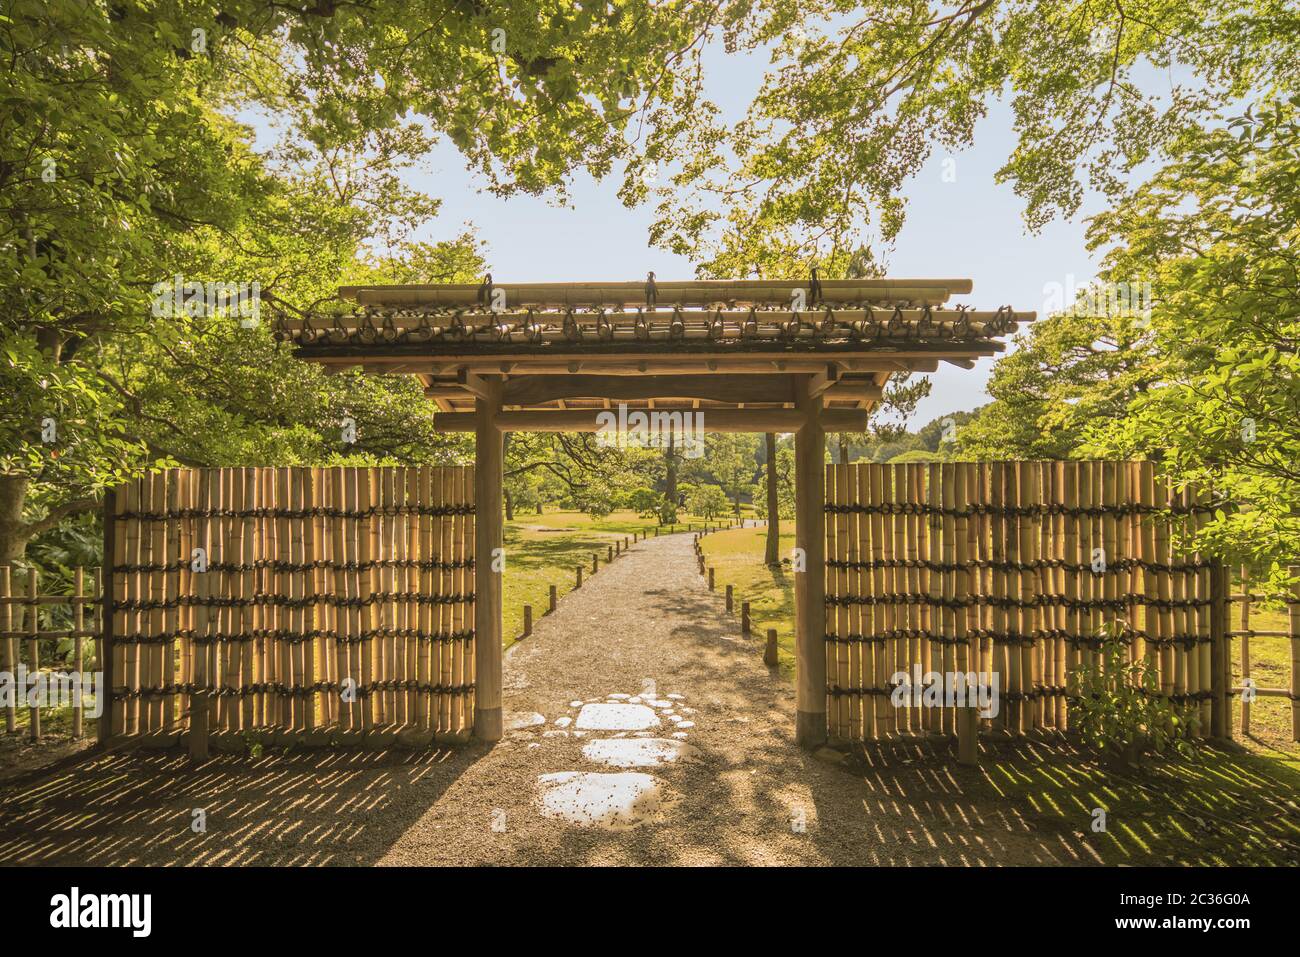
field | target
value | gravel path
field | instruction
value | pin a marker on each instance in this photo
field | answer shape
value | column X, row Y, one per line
column 742, row 793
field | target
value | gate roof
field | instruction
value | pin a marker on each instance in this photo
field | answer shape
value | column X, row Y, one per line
column 710, row 344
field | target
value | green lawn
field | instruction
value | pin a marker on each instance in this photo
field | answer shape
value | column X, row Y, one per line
column 737, row 554
column 543, row 550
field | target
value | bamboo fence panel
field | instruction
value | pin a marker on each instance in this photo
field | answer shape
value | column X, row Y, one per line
column 332, row 600
column 1013, row 571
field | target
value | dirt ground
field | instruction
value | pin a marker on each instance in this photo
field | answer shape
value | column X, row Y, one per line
column 744, row 794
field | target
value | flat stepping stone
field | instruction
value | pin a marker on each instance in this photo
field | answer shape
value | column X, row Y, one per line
column 617, row 717
column 619, row 696
column 635, row 752
column 563, row 722
column 615, row 802
column 518, row 720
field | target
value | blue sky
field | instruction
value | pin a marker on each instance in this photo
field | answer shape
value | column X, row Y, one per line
column 970, row 228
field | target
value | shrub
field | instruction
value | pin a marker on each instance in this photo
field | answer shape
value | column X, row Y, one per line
column 1119, row 711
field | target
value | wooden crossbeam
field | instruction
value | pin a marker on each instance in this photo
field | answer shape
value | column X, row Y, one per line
column 735, row 388
column 720, row 420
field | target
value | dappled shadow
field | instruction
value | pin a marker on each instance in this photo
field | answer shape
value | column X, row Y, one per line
column 298, row 807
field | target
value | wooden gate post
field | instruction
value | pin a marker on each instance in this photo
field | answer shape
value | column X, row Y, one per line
column 488, row 562
column 810, row 582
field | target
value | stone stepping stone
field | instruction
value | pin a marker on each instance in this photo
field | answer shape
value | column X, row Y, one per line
column 636, row 752
column 615, row 802
column 617, row 717
column 563, row 722
column 518, row 720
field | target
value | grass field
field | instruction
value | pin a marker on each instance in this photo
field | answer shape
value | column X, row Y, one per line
column 737, row 554
column 543, row 550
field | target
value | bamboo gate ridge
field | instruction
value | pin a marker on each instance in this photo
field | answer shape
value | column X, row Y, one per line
column 1012, row 570
column 314, row 603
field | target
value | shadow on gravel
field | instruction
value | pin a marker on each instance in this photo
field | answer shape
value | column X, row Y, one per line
column 309, row 807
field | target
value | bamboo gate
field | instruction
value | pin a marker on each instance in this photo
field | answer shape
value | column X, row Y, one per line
column 308, row 602
column 1014, row 569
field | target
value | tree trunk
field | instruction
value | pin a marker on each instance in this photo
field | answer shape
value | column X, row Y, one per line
column 670, row 468
column 13, row 533
column 505, row 492
column 844, row 450
column 773, row 553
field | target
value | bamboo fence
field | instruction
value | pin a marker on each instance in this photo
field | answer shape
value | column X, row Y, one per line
column 1013, row 569
column 305, row 601
column 21, row 634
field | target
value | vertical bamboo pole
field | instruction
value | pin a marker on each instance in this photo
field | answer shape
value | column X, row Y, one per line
column 967, row 718
column 897, row 478
column 10, row 644
column 1075, row 571
column 1245, row 648
column 355, row 536
column 1294, row 608
column 465, row 653
column 945, row 488
column 449, row 553
column 866, row 613
column 1030, row 624
column 850, row 653
column 810, row 584
column 314, row 647
column 934, row 646
column 34, row 647
column 176, row 622
column 908, row 476
column 78, row 644
column 837, row 662
column 197, row 702
column 1109, row 527
column 1219, row 650
column 880, row 614
column 131, row 592
column 426, row 625
column 1067, row 619
column 340, row 711
column 157, row 581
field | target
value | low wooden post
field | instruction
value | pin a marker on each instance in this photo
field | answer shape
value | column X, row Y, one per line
column 554, row 600
column 78, row 646
column 10, row 646
column 595, row 563
column 711, row 579
column 729, row 599
column 1245, row 649
column 1294, row 572
column 744, row 618
column 33, row 646
column 579, row 584
column 528, row 620
column 609, row 556
column 770, row 652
